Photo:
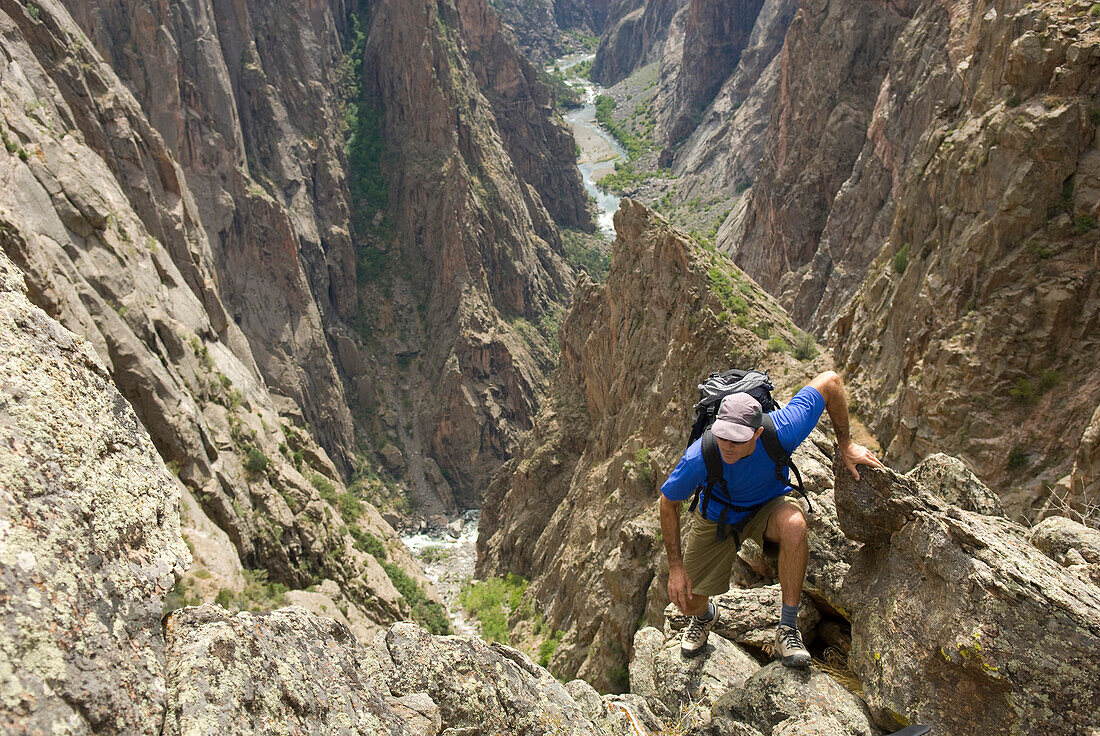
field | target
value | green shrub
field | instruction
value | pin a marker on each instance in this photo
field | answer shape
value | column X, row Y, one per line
column 1083, row 224
column 805, row 348
column 425, row 611
column 256, row 461
column 1048, row 379
column 1023, row 391
column 777, row 345
column 901, row 259
column 548, row 647
column 1017, row 458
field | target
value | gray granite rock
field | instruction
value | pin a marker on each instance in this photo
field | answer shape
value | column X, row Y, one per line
column 90, row 537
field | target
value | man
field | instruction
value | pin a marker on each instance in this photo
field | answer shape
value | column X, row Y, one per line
column 773, row 516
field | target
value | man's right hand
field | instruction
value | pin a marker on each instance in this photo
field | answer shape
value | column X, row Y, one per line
column 679, row 587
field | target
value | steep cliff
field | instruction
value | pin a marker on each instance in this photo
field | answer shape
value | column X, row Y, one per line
column 104, row 228
column 545, row 29
column 634, row 36
column 945, row 243
column 462, row 271
column 575, row 509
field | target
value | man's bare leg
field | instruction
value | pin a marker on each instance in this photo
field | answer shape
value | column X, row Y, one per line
column 787, row 526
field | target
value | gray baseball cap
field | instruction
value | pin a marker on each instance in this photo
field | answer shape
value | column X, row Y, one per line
column 739, row 417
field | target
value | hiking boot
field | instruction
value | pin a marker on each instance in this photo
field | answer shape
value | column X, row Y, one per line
column 695, row 635
column 789, row 648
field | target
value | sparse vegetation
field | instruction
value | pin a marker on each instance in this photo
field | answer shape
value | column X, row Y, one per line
column 425, row 611
column 491, row 602
column 364, row 143
column 1083, row 223
column 778, row 345
column 367, row 542
column 726, row 288
column 349, row 504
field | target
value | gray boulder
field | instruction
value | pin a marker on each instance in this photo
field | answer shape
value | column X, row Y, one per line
column 781, row 700
column 1071, row 544
column 962, row 623
column 89, row 536
column 948, row 478
column 659, row 672
column 488, row 688
column 241, row 673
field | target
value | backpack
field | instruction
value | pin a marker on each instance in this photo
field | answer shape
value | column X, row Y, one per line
column 711, row 392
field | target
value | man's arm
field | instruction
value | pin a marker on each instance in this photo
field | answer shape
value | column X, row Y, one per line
column 679, row 584
column 831, row 388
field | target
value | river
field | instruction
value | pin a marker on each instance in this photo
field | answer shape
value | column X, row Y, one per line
column 448, row 562
column 598, row 149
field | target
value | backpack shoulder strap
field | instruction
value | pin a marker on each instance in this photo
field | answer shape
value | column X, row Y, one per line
column 781, row 457
column 770, row 439
column 713, row 460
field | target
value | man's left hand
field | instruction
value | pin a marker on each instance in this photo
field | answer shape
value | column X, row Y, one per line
column 854, row 454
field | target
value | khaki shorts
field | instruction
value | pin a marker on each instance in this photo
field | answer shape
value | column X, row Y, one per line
column 709, row 562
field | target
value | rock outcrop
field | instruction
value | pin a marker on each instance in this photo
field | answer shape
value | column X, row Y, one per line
column 963, row 624
column 575, row 510
column 89, row 536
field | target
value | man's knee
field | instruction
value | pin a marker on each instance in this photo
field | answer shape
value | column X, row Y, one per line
column 790, row 525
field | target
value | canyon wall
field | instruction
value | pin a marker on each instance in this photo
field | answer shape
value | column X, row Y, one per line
column 266, row 109
column 936, row 222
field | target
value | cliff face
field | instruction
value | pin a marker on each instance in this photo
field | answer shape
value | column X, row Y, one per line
column 104, row 228
column 543, row 27
column 266, row 108
column 634, row 36
column 948, row 250
column 463, row 266
column 226, row 89
column 575, row 509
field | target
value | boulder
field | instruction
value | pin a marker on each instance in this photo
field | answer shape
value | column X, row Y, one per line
column 961, row 623
column 782, row 700
column 487, row 688
column 659, row 672
column 241, row 673
column 392, row 458
column 89, row 536
column 749, row 616
column 1069, row 543
column 948, row 478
